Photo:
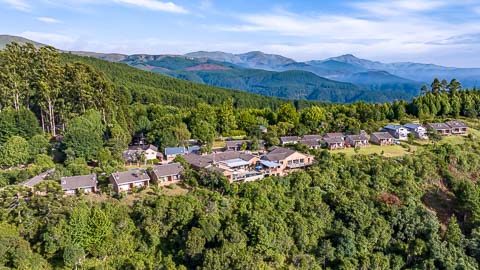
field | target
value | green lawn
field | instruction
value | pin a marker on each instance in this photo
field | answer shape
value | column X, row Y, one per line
column 399, row 150
column 388, row 151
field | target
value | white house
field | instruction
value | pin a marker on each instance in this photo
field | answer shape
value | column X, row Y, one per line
column 397, row 131
column 418, row 130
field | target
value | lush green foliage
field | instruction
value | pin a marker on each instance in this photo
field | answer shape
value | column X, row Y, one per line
column 363, row 212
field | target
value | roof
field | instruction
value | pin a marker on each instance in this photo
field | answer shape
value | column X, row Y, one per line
column 197, row 160
column 393, row 127
column 357, row 137
column 134, row 151
column 310, row 142
column 383, row 135
column 412, row 126
column 173, row 151
column 235, row 144
column 237, row 162
column 193, row 148
column 269, row 164
column 289, row 139
column 81, row 181
column 334, row 135
column 37, row 179
column 439, row 126
column 456, row 124
column 142, row 147
column 167, row 170
column 333, row 140
column 278, row 153
column 131, row 176
column 311, row 137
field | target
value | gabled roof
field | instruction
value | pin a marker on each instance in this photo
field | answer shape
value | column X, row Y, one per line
column 333, row 140
column 197, row 161
column 278, row 153
column 439, row 126
column 37, row 179
column 143, row 147
column 393, row 127
column 412, row 126
column 456, row 124
column 236, row 144
column 311, row 137
column 172, row 151
column 357, row 137
column 76, row 182
column 131, row 176
column 383, row 136
column 310, row 142
column 167, row 170
column 334, row 135
column 289, row 139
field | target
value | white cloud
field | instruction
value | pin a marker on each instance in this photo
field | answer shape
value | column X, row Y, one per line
column 48, row 20
column 399, row 7
column 18, row 4
column 155, row 5
column 57, row 40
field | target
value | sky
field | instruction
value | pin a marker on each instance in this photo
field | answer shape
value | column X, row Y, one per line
column 442, row 32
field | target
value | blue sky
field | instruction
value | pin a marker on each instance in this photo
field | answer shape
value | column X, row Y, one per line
column 431, row 31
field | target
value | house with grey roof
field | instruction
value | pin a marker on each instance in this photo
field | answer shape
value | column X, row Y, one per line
column 457, row 127
column 312, row 137
column 172, row 152
column 334, row 135
column 441, row 128
column 382, row 138
column 30, row 183
column 164, row 175
column 289, row 160
column 357, row 140
column 397, row 131
column 127, row 181
column 418, row 130
column 237, row 145
column 312, row 144
column 138, row 153
column 334, row 142
column 82, row 184
column 289, row 140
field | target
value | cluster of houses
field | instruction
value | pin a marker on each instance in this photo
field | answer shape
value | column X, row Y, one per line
column 237, row 162
column 389, row 135
column 236, row 166
column 161, row 175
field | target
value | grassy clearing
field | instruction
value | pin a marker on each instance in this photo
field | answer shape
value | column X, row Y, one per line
column 387, row 151
column 405, row 147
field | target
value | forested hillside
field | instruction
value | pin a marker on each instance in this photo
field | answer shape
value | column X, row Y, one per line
column 77, row 115
column 154, row 88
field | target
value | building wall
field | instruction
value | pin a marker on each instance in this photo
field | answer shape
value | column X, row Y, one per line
column 150, row 154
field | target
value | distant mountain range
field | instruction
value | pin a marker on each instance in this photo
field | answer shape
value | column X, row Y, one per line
column 344, row 78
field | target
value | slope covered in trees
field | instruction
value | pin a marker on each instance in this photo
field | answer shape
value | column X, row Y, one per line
column 147, row 87
column 344, row 213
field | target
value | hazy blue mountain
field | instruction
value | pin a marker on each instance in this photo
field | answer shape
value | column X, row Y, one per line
column 425, row 73
column 257, row 60
column 382, row 81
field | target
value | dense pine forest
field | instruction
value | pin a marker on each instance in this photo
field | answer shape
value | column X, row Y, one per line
column 76, row 114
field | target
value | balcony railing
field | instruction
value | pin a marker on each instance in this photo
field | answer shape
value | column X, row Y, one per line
column 298, row 165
